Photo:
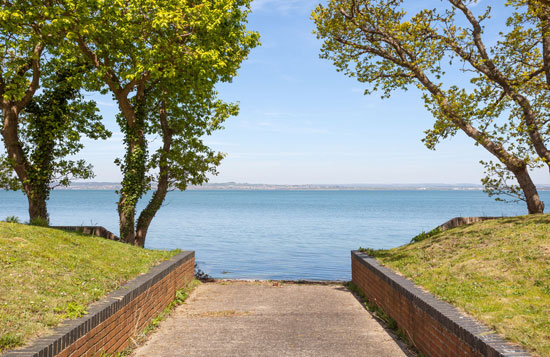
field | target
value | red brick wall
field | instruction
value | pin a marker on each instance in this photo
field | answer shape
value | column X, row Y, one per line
column 433, row 326
column 113, row 334
column 111, row 322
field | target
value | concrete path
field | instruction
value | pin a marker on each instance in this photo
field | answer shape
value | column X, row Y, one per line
column 270, row 319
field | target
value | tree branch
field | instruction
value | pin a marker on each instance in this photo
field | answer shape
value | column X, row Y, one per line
column 110, row 78
column 488, row 68
column 35, row 82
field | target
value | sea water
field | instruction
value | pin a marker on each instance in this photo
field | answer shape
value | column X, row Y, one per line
column 275, row 234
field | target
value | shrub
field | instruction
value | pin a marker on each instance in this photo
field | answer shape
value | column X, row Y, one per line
column 38, row 221
column 425, row 235
column 12, row 219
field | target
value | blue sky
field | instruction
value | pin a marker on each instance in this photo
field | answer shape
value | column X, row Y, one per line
column 302, row 122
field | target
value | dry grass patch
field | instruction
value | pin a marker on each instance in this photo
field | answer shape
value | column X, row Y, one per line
column 224, row 313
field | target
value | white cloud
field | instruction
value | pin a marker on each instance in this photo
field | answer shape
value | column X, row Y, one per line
column 106, row 104
column 284, row 6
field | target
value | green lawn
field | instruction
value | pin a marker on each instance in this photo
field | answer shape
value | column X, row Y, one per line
column 497, row 271
column 47, row 275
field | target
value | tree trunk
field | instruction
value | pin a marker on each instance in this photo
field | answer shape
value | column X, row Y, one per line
column 126, row 215
column 154, row 205
column 135, row 164
column 18, row 160
column 534, row 204
column 149, row 213
column 133, row 185
column 13, row 145
column 37, row 208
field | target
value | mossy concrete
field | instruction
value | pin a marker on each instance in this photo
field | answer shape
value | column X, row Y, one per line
column 230, row 318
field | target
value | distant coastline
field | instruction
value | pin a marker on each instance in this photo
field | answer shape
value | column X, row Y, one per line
column 307, row 187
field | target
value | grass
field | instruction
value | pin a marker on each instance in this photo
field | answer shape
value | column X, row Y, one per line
column 497, row 271
column 48, row 275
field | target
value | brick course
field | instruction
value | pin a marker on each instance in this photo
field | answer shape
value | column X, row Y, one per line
column 112, row 321
column 435, row 327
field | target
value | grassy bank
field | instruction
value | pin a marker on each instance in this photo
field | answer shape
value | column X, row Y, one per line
column 47, row 275
column 497, row 271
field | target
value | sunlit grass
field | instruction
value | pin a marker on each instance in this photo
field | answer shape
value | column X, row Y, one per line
column 497, row 271
column 47, row 275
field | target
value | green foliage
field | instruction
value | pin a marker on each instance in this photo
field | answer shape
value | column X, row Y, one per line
column 8, row 180
column 420, row 237
column 39, row 221
column 12, row 219
column 505, row 106
column 22, row 29
column 73, row 311
column 368, row 251
column 10, row 341
column 161, row 60
column 181, row 296
column 50, row 129
column 40, row 132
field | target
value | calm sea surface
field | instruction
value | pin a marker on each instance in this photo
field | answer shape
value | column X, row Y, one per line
column 276, row 234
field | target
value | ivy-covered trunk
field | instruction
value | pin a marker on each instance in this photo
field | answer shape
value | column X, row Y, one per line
column 37, row 208
column 21, row 166
column 40, row 170
column 133, row 167
column 133, row 182
column 150, row 211
column 126, row 214
column 42, row 131
column 156, row 201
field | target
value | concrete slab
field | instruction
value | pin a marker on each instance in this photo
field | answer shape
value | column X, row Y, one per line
column 271, row 319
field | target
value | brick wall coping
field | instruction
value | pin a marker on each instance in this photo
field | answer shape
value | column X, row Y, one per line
column 70, row 331
column 478, row 336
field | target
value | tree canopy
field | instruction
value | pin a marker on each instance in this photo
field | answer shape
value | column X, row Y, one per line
column 161, row 61
column 504, row 108
column 50, row 130
column 39, row 132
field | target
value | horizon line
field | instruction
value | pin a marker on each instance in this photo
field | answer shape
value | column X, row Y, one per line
column 245, row 185
column 315, row 184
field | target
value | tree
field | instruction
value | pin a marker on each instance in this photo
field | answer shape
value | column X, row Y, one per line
column 50, row 128
column 161, row 60
column 21, row 48
column 27, row 29
column 376, row 42
column 183, row 158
